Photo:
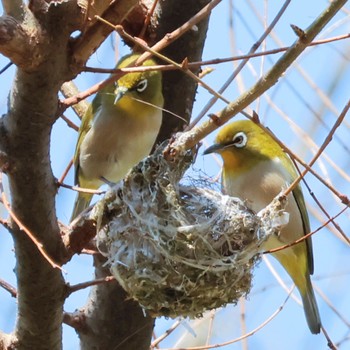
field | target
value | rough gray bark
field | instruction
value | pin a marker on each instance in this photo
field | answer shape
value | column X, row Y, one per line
column 112, row 321
column 25, row 139
column 179, row 89
column 37, row 39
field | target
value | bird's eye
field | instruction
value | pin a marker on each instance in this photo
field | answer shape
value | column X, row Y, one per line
column 240, row 139
column 142, row 85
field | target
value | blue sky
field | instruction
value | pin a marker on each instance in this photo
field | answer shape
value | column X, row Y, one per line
column 311, row 94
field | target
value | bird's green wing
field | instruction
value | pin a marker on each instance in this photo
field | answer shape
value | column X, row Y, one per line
column 299, row 198
column 84, row 128
column 103, row 97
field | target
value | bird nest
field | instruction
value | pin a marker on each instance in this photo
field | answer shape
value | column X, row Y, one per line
column 178, row 250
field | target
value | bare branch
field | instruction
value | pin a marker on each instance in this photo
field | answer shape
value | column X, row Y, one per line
column 83, row 285
column 113, row 320
column 14, row 8
column 7, row 286
column 24, row 38
column 166, row 40
column 88, row 42
column 76, row 320
column 242, row 64
column 170, row 330
column 190, row 139
column 27, row 125
column 69, row 89
column 303, row 238
column 244, row 336
column 15, row 43
column 326, row 142
column 195, row 65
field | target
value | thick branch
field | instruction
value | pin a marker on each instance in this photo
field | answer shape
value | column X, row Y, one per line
column 40, row 287
column 111, row 320
column 91, row 9
column 94, row 35
column 15, row 43
column 23, row 39
column 14, row 8
column 25, row 139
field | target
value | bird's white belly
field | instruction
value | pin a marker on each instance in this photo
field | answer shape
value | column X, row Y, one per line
column 111, row 155
column 258, row 188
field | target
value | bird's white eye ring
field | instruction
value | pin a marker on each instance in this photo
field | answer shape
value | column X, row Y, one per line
column 240, row 139
column 142, row 85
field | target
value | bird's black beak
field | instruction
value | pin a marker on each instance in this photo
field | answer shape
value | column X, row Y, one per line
column 216, row 147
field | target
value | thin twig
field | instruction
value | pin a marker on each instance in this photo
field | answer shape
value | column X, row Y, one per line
column 89, row 252
column 148, row 19
column 174, row 326
column 182, row 67
column 22, row 227
column 308, row 168
column 331, row 306
column 330, row 344
column 243, row 322
column 81, row 189
column 313, row 145
column 79, row 286
column 211, row 326
column 8, row 65
column 344, row 199
column 69, row 123
column 8, row 287
column 323, row 209
column 188, row 140
column 321, row 149
column 303, row 238
column 167, row 40
column 256, row 45
column 5, row 222
column 65, row 173
column 279, row 280
column 177, row 33
column 195, row 65
column 252, row 332
column 333, row 229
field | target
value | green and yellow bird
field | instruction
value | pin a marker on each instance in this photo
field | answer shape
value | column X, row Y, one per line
column 256, row 169
column 118, row 130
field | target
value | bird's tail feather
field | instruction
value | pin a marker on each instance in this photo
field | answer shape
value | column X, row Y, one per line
column 310, row 308
column 301, row 278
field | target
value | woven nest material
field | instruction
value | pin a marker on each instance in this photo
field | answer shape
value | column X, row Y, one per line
column 178, row 250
